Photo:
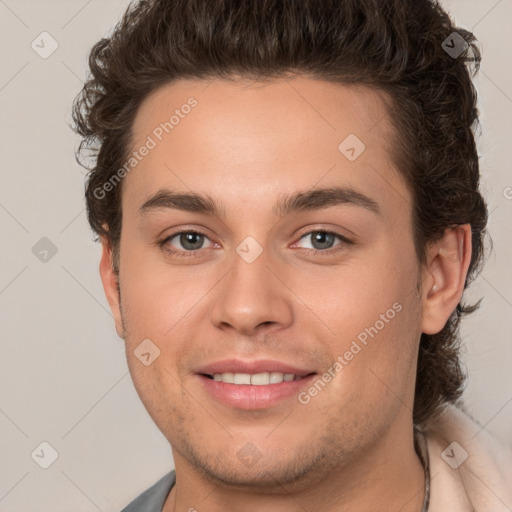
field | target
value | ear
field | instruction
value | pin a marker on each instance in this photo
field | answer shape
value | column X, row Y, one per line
column 110, row 284
column 448, row 261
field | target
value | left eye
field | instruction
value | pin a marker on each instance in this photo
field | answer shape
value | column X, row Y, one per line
column 321, row 240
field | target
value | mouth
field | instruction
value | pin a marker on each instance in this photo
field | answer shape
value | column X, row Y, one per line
column 252, row 385
column 255, row 379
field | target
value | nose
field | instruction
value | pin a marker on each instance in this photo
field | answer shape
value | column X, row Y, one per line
column 252, row 298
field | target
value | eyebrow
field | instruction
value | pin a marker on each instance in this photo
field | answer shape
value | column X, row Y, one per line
column 315, row 199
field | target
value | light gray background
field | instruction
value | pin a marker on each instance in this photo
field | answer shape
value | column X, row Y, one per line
column 64, row 377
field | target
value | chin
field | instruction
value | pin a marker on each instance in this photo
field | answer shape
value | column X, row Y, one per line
column 264, row 466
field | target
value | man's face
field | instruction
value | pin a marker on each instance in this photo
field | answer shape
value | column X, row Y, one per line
column 222, row 296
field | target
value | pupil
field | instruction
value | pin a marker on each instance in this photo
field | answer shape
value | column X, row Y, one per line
column 188, row 239
column 324, row 239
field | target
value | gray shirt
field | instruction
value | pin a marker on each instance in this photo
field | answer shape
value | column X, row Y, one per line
column 153, row 499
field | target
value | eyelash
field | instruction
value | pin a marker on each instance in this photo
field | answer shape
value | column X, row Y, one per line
column 315, row 252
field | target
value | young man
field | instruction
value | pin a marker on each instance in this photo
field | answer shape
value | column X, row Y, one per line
column 287, row 197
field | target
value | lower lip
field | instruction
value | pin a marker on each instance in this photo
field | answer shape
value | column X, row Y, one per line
column 250, row 397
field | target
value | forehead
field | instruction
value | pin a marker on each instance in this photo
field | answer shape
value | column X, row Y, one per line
column 305, row 106
column 240, row 139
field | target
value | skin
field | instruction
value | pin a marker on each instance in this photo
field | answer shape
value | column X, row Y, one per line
column 245, row 145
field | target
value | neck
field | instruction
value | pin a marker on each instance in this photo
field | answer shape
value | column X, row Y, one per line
column 389, row 476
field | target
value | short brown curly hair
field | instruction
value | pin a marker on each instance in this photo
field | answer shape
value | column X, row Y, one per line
column 412, row 50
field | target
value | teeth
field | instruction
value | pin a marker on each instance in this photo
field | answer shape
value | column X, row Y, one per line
column 260, row 379
column 241, row 378
column 257, row 379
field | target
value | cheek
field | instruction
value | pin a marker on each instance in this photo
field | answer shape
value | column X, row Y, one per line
column 155, row 386
column 373, row 309
column 347, row 299
column 376, row 365
column 155, row 296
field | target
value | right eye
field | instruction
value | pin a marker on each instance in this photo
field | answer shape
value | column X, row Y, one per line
column 184, row 243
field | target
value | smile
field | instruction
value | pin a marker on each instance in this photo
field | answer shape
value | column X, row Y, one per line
column 256, row 379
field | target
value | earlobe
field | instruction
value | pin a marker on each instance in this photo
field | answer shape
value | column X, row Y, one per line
column 109, row 279
column 444, row 278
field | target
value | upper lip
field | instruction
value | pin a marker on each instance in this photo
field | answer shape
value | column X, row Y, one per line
column 252, row 367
